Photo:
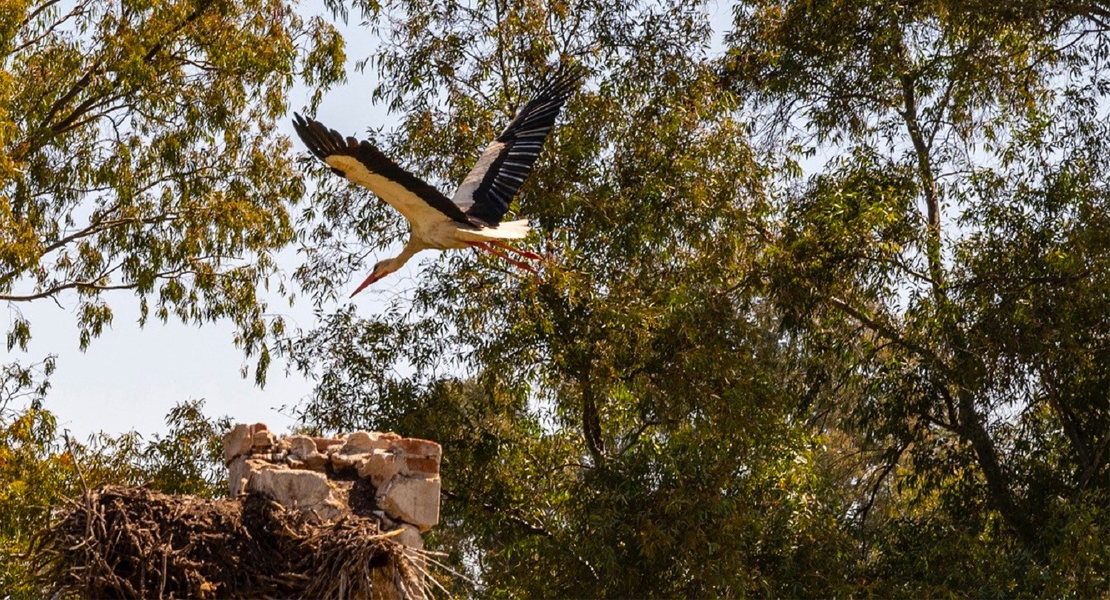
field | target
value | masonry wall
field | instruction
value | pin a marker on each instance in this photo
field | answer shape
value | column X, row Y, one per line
column 369, row 474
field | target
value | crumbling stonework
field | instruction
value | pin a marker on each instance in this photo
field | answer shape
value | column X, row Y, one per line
column 307, row 518
column 384, row 475
column 120, row 542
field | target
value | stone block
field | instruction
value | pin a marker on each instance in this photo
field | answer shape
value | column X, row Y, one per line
column 421, row 457
column 263, row 441
column 291, row 488
column 342, row 460
column 322, row 444
column 301, row 445
column 380, row 466
column 410, row 537
column 306, row 491
column 404, row 473
column 274, row 457
column 361, row 442
column 303, row 450
column 412, row 500
column 329, row 510
column 237, row 442
column 418, row 447
column 418, row 466
column 239, row 472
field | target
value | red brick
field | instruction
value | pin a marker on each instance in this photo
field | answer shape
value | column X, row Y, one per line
column 422, row 465
column 418, row 447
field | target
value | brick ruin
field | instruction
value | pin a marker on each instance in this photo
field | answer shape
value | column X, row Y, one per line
column 369, row 474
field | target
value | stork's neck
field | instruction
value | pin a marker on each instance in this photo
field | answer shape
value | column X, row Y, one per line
column 410, row 249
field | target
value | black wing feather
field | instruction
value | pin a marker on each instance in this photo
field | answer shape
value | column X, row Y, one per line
column 523, row 139
column 324, row 142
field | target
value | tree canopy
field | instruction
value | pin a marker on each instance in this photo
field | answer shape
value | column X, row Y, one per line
column 955, row 257
column 823, row 314
column 140, row 153
column 824, row 311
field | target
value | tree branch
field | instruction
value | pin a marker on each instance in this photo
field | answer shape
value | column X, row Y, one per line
column 89, row 285
column 36, row 12
column 46, row 125
column 95, row 228
column 527, row 526
column 998, row 483
column 53, row 26
column 879, row 481
column 887, row 331
column 591, row 422
column 635, row 436
column 928, row 182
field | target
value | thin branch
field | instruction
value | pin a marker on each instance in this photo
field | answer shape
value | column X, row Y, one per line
column 35, row 13
column 100, row 226
column 636, row 435
column 928, row 182
column 66, row 98
column 879, row 481
column 76, row 465
column 76, row 115
column 887, row 331
column 521, row 522
column 49, row 30
column 591, row 421
column 88, row 285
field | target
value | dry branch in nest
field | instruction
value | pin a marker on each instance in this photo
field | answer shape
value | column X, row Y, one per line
column 133, row 543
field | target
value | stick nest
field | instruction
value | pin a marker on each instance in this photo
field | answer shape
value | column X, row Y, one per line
column 133, row 543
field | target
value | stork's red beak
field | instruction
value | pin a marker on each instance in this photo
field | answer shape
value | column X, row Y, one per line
column 371, row 279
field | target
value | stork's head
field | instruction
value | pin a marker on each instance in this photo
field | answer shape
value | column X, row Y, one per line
column 383, row 268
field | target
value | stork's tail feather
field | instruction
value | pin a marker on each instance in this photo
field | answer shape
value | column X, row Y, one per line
column 508, row 230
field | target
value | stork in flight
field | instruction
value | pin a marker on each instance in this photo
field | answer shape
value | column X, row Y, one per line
column 473, row 216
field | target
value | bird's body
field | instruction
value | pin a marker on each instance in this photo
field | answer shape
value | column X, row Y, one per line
column 431, row 228
column 472, row 218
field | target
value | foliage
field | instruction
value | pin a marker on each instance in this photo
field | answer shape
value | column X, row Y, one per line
column 627, row 426
column 140, row 153
column 744, row 372
column 43, row 468
column 954, row 263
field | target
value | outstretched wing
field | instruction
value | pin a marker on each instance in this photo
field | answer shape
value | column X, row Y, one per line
column 488, row 190
column 365, row 165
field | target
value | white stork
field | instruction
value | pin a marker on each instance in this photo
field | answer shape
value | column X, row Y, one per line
column 473, row 216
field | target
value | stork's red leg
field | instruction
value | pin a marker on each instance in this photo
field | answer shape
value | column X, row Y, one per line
column 524, row 253
column 525, row 266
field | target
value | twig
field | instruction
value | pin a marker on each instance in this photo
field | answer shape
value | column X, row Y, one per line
column 76, row 465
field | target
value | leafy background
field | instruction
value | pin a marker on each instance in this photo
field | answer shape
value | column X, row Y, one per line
column 824, row 311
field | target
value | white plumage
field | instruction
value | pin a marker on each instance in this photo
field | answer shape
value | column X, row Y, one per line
column 473, row 216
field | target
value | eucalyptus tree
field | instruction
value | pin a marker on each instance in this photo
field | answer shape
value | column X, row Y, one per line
column 625, row 423
column 138, row 157
column 140, row 153
column 952, row 261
